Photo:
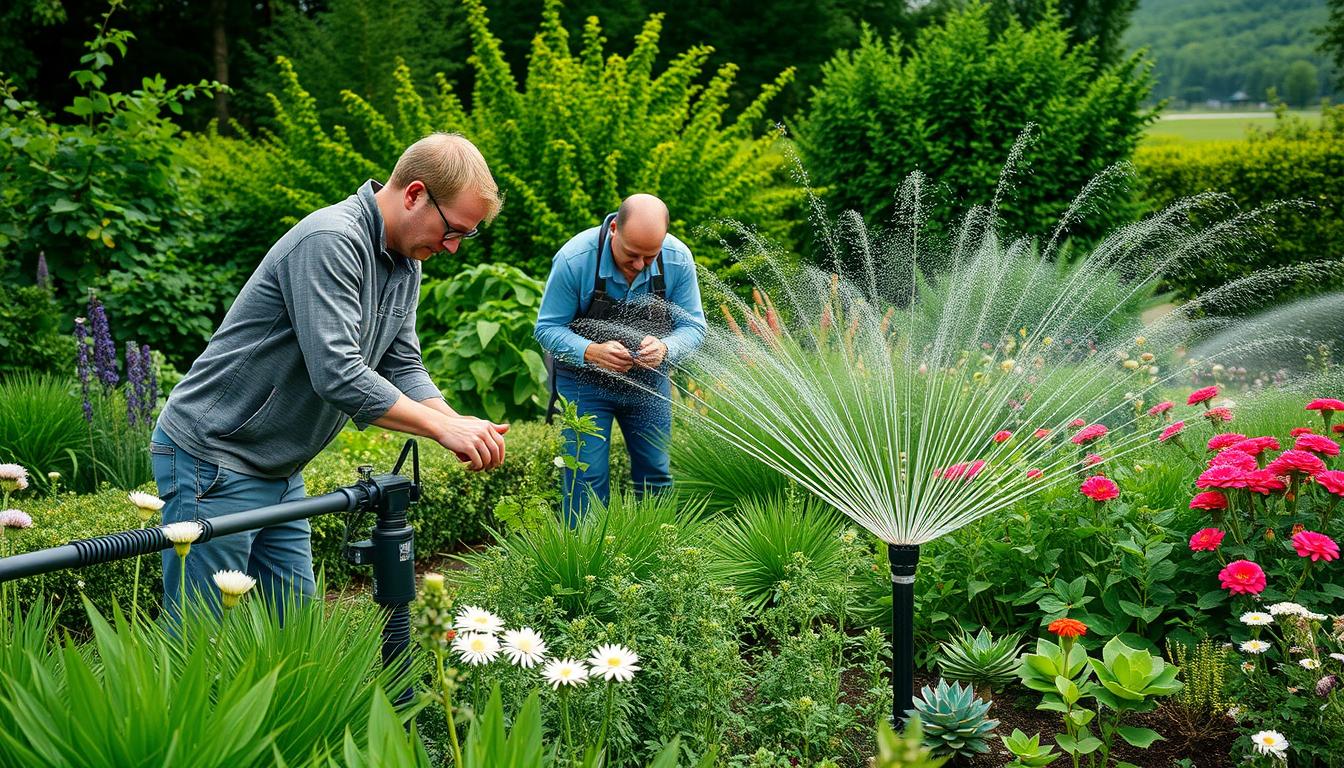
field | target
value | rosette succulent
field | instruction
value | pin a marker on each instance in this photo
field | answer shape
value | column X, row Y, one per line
column 955, row 720
column 981, row 660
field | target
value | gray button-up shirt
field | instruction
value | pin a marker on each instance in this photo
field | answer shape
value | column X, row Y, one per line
column 323, row 331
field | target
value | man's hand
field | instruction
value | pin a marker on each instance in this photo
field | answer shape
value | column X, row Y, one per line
column 652, row 352
column 610, row 355
column 476, row 442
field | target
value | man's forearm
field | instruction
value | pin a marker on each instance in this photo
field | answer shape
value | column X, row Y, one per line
column 440, row 405
column 423, row 419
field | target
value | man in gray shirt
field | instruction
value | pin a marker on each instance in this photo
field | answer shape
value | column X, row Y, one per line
column 322, row 332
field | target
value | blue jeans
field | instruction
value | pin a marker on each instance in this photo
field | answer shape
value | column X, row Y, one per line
column 280, row 557
column 646, row 424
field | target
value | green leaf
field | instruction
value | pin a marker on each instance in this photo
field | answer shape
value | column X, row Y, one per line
column 486, row 330
column 64, row 205
column 1138, row 737
column 1211, row 599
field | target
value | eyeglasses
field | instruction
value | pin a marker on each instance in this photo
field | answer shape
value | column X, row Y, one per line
column 449, row 233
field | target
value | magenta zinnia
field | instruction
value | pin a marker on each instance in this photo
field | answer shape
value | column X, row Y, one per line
column 1202, row 395
column 1263, row 481
column 1089, row 433
column 1316, row 546
column 1234, row 458
column 1317, row 444
column 1161, row 408
column 1257, row 445
column 1218, row 414
column 1099, row 488
column 1221, row 477
column 1289, row 462
column 1225, row 440
column 1242, row 577
column 1299, row 431
column 1206, row 540
column 1041, row 434
column 1209, row 500
column 1002, row 435
column 1171, row 431
column 1325, row 405
column 1332, row 480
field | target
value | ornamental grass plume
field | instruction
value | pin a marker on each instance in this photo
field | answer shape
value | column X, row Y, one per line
column 232, row 586
column 1206, row 540
column 1242, row 577
column 1099, row 488
column 1316, row 546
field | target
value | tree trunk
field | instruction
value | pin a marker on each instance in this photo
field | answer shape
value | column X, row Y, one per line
column 218, row 19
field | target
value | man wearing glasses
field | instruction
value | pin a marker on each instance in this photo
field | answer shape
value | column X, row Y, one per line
column 621, row 304
column 323, row 332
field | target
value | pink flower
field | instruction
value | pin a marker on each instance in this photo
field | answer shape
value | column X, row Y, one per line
column 1099, row 488
column 1209, row 500
column 1263, row 481
column 1032, row 474
column 1317, row 546
column 1202, row 395
column 1077, row 423
column 1257, row 445
column 1325, row 405
column 1222, row 477
column 974, row 468
column 1002, row 436
column 1299, row 431
column 1218, row 414
column 1225, row 440
column 1092, row 459
column 1317, row 444
column 1289, row 462
column 963, row 471
column 1089, row 433
column 1206, row 540
column 1041, row 434
column 1171, row 431
column 1242, row 577
column 1332, row 480
column 1234, row 458
column 1338, row 428
column 13, row 518
column 1161, row 408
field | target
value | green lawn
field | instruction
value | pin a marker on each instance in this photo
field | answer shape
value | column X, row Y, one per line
column 1206, row 126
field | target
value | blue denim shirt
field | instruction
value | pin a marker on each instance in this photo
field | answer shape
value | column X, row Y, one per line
column 569, row 291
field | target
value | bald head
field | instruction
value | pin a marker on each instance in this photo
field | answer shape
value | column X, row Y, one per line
column 642, row 221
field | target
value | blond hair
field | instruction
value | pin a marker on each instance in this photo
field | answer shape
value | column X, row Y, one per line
column 448, row 164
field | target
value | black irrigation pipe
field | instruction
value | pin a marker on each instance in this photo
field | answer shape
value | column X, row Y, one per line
column 390, row 549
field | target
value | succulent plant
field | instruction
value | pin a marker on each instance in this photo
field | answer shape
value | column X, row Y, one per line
column 954, row 719
column 1028, row 750
column 981, row 660
column 906, row 749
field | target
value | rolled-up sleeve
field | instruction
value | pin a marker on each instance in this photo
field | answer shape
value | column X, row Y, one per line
column 559, row 307
column 688, row 316
column 403, row 365
column 320, row 281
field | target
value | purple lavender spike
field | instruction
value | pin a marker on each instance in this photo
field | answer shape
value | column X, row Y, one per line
column 82, row 364
column 134, row 387
column 104, row 349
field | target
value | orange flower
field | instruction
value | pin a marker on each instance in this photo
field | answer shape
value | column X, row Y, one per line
column 1068, row 627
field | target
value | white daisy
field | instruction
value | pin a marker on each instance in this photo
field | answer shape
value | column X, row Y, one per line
column 524, row 647
column 473, row 619
column 476, row 647
column 182, row 535
column 565, row 672
column 559, row 461
column 1288, row 609
column 1256, row 619
column 13, row 477
column 1309, row 663
column 146, row 504
column 1315, row 616
column 1270, row 743
column 614, row 662
column 1254, row 646
column 1337, row 657
column 233, row 585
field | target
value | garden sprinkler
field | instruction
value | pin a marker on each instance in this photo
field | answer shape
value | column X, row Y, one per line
column 390, row 548
column 903, row 559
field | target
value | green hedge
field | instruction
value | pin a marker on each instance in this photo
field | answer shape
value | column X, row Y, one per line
column 1291, row 162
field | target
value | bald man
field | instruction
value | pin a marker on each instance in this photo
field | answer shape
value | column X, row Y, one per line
column 622, row 304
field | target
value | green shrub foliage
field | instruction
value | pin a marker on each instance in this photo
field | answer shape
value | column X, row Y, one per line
column 952, row 106
column 583, row 131
column 1292, row 162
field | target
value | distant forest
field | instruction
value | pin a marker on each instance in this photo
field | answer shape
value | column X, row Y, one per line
column 1212, row 49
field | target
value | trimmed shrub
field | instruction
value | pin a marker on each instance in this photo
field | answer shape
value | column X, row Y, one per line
column 581, row 133
column 1290, row 162
column 951, row 108
column 30, row 336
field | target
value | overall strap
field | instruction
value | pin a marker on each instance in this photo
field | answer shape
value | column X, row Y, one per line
column 658, row 282
column 598, row 286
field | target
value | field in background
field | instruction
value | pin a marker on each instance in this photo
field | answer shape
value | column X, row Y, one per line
column 1214, row 126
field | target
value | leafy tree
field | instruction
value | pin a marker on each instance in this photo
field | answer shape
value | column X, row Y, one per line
column 1300, row 84
column 1102, row 21
column 952, row 109
column 100, row 191
column 1332, row 37
column 582, row 132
